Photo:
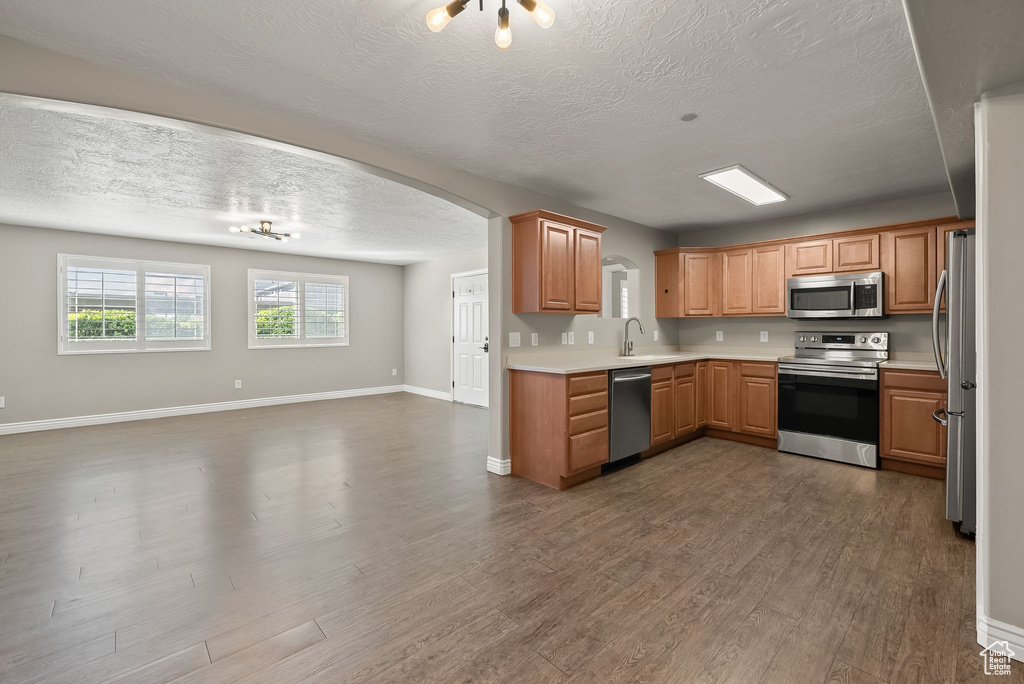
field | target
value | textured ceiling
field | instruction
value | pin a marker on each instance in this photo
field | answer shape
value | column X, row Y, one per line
column 138, row 176
column 822, row 98
column 965, row 49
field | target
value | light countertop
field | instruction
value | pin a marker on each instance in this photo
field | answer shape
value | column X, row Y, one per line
column 910, row 364
column 565, row 363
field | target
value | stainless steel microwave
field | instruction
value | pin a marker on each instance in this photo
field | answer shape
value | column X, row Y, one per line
column 853, row 295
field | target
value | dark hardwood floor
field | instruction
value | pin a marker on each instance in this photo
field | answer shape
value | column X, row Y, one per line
column 361, row 540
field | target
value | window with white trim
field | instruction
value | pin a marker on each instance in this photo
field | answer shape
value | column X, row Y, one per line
column 297, row 310
column 122, row 305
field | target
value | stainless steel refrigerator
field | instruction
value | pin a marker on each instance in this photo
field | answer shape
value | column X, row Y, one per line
column 957, row 366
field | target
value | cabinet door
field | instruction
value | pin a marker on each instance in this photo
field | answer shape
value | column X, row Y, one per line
column 720, row 395
column 557, row 271
column 909, row 432
column 736, row 276
column 700, row 289
column 667, row 285
column 809, row 258
column 662, row 412
column 769, row 280
column 685, row 399
column 702, row 393
column 857, row 253
column 588, row 271
column 757, row 406
column 909, row 260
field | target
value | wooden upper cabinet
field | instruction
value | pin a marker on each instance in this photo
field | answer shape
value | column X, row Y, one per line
column 809, row 258
column 720, row 395
column 557, row 267
column 856, row 253
column 768, row 294
column 757, row 398
column 588, row 271
column 668, row 285
column 737, row 273
column 909, row 260
column 556, row 264
column 701, row 278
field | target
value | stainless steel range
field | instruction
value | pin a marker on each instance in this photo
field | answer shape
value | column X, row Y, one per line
column 828, row 396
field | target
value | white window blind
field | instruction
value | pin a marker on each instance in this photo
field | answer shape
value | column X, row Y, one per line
column 119, row 305
column 297, row 310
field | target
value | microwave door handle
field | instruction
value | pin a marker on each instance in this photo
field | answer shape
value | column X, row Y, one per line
column 853, row 298
column 936, row 343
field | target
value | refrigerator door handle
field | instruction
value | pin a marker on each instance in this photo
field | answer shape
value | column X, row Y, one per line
column 936, row 345
column 944, row 420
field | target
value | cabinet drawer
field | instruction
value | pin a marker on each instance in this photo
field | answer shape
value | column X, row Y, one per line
column 758, row 370
column 661, row 374
column 911, row 380
column 588, row 450
column 685, row 370
column 588, row 384
column 588, row 404
column 588, row 422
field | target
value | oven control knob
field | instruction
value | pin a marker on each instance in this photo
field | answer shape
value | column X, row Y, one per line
column 876, row 340
column 813, row 338
column 863, row 340
column 803, row 339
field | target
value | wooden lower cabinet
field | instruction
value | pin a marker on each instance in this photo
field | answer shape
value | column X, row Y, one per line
column 721, row 406
column 702, row 393
column 558, row 426
column 758, row 398
column 662, row 405
column 911, row 439
column 685, row 399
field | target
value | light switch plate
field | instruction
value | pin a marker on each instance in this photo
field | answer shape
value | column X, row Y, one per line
column 394, row 371
column 238, row 384
column 719, row 336
column 590, row 337
column 764, row 335
column 565, row 338
column 572, row 338
column 513, row 339
column 534, row 339
column 2, row 402
column 655, row 335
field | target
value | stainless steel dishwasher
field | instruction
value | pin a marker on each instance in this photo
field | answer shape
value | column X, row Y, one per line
column 630, row 413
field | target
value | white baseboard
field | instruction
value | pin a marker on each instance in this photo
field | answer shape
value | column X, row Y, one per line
column 990, row 630
column 149, row 414
column 498, row 467
column 423, row 391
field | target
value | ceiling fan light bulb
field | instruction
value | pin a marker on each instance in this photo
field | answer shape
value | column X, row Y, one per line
column 235, row 229
column 503, row 35
column 438, row 18
column 543, row 15
column 245, row 229
column 294, row 236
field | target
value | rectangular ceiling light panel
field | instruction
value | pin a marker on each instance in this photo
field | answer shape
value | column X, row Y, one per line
column 742, row 183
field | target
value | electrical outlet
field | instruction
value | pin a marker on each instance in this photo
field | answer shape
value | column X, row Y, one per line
column 513, row 339
column 534, row 339
column 565, row 338
column 238, row 384
column 764, row 335
column 590, row 337
column 394, row 371
column 3, row 402
column 719, row 336
column 572, row 338
column 655, row 335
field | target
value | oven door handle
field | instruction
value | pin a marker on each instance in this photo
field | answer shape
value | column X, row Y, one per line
column 870, row 375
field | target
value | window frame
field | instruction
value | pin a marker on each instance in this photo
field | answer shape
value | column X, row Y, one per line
column 140, row 345
column 301, row 279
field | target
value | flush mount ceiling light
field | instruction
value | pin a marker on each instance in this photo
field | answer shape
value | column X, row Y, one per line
column 265, row 231
column 438, row 18
column 742, row 183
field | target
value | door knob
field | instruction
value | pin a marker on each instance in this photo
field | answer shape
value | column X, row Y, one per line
column 487, row 344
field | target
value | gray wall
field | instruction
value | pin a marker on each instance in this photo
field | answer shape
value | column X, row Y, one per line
column 428, row 317
column 1000, row 364
column 908, row 332
column 38, row 384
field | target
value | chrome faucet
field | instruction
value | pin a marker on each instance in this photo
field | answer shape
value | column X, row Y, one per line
column 627, row 345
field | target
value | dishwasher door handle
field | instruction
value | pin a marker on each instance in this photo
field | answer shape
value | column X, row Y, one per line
column 632, row 378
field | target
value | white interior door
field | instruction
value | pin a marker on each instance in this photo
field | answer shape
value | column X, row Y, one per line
column 470, row 343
